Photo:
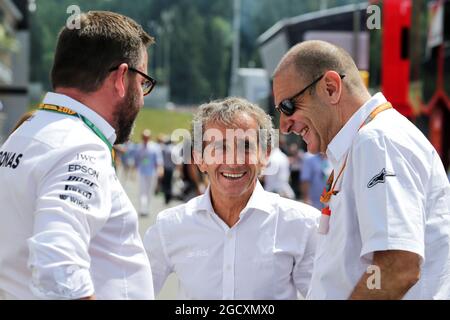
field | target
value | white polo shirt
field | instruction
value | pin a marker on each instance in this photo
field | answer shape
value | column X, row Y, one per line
column 267, row 254
column 68, row 229
column 393, row 195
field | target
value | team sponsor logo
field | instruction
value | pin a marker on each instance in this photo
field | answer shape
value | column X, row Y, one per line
column 380, row 178
column 75, row 201
column 10, row 159
column 83, row 169
column 86, row 157
column 84, row 193
column 85, row 181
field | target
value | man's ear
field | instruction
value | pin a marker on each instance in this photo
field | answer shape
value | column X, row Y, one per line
column 333, row 83
column 120, row 79
column 198, row 160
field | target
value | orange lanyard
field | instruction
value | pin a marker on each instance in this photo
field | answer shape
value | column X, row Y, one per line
column 329, row 191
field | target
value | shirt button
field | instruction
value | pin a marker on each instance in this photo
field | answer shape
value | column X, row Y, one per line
column 228, row 267
column 229, row 235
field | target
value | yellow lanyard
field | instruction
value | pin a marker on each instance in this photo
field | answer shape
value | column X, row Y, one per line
column 90, row 125
column 329, row 191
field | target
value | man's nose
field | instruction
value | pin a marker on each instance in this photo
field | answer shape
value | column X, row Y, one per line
column 285, row 124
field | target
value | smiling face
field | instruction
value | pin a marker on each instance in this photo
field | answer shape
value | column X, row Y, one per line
column 231, row 158
column 312, row 119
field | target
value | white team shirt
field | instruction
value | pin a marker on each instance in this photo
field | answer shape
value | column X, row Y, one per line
column 267, row 254
column 68, row 229
column 393, row 195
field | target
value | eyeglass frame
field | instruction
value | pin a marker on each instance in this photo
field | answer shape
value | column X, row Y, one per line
column 146, row 76
column 293, row 98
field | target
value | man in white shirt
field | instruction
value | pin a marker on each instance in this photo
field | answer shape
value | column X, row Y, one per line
column 386, row 227
column 236, row 241
column 278, row 174
column 68, row 229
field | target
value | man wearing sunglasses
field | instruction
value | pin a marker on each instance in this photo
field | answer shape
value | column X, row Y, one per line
column 385, row 228
column 68, row 229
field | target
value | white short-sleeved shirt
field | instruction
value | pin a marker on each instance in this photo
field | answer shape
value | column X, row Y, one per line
column 267, row 254
column 68, row 229
column 393, row 195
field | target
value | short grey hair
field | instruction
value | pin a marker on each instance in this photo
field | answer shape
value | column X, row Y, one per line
column 225, row 111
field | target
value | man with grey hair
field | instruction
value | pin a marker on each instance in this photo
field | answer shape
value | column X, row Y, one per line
column 236, row 241
column 386, row 227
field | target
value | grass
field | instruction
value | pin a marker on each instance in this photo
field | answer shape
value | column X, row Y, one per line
column 160, row 121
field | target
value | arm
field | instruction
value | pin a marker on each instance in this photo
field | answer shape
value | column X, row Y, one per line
column 304, row 261
column 71, row 207
column 159, row 261
column 390, row 218
column 399, row 271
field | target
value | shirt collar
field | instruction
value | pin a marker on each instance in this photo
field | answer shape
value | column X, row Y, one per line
column 344, row 138
column 66, row 101
column 259, row 200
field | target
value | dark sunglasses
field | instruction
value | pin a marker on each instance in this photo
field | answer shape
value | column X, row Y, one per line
column 147, row 85
column 287, row 106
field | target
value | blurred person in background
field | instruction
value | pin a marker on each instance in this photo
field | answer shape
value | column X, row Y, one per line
column 295, row 155
column 315, row 172
column 168, row 151
column 277, row 174
column 149, row 164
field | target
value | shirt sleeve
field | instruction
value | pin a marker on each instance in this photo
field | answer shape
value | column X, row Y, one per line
column 304, row 261
column 159, row 261
column 73, row 203
column 389, row 196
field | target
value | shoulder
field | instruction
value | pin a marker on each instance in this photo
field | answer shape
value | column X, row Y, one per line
column 291, row 210
column 58, row 131
column 295, row 220
column 179, row 214
column 392, row 129
column 297, row 209
column 50, row 139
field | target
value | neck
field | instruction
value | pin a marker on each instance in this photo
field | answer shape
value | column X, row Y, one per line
column 228, row 209
column 348, row 107
column 92, row 100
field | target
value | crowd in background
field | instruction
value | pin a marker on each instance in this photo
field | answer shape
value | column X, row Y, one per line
column 150, row 164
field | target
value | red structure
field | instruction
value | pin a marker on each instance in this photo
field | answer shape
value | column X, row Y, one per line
column 395, row 70
column 438, row 107
column 395, row 54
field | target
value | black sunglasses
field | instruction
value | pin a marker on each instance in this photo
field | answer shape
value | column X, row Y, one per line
column 287, row 106
column 147, row 85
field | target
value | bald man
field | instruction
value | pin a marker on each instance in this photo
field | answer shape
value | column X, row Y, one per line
column 386, row 225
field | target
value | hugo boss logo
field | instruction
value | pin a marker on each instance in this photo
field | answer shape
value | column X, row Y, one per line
column 10, row 159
